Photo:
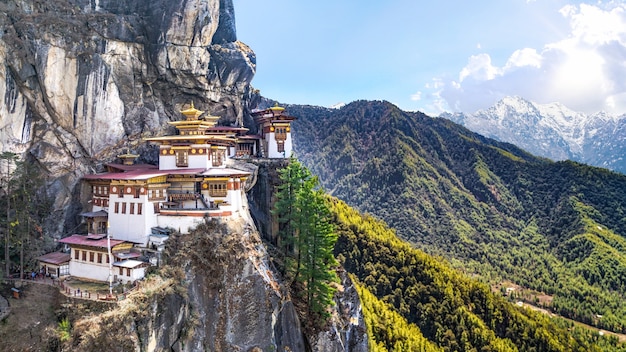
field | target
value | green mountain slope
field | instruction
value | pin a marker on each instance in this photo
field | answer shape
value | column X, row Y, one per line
column 414, row 302
column 489, row 207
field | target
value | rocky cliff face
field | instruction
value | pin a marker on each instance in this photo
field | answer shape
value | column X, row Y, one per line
column 218, row 293
column 81, row 79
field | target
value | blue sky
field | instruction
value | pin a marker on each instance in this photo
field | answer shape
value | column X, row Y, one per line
column 439, row 55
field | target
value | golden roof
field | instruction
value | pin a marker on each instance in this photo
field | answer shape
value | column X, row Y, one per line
column 192, row 113
column 277, row 108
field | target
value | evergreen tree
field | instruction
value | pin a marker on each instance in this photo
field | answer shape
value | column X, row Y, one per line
column 27, row 206
column 286, row 210
column 304, row 219
column 9, row 158
column 32, row 208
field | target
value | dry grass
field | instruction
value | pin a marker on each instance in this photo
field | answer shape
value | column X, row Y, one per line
column 32, row 323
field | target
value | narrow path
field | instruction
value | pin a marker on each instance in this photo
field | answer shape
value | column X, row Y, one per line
column 70, row 290
column 621, row 337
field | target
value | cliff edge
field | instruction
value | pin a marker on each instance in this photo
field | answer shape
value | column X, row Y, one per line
column 83, row 78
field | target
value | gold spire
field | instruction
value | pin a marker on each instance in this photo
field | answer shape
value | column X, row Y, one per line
column 128, row 158
column 277, row 110
column 192, row 113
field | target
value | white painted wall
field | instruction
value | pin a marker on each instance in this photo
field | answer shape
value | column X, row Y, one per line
column 131, row 227
column 198, row 161
column 179, row 223
column 89, row 270
column 233, row 197
column 135, row 274
column 167, row 162
column 272, row 146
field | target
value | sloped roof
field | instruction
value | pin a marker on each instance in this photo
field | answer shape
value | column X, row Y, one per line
column 224, row 172
column 132, row 167
column 55, row 258
column 130, row 263
column 140, row 174
column 95, row 214
column 86, row 241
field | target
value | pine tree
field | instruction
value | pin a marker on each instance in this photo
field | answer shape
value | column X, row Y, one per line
column 304, row 219
column 288, row 216
column 319, row 259
column 9, row 158
column 32, row 208
column 27, row 207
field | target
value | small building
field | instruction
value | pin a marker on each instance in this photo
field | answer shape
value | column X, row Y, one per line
column 129, row 270
column 90, row 257
column 55, row 264
column 275, row 128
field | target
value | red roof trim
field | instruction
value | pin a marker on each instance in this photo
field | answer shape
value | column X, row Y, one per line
column 84, row 241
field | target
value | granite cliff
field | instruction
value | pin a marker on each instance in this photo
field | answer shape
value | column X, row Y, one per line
column 218, row 292
column 81, row 79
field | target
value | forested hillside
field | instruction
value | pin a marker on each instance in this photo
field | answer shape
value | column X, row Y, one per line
column 488, row 207
column 416, row 302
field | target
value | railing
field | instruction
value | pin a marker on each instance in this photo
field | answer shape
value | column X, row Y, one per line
column 176, row 198
column 74, row 292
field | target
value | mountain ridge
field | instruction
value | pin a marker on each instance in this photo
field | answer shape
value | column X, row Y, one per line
column 491, row 208
column 552, row 130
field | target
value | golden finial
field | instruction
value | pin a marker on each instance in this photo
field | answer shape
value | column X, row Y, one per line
column 192, row 113
column 277, row 109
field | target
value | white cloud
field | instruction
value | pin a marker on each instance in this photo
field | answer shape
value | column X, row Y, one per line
column 595, row 26
column 417, row 96
column 523, row 57
column 585, row 71
column 479, row 67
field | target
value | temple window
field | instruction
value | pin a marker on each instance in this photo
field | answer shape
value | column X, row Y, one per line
column 117, row 207
column 280, row 146
column 123, row 208
column 244, row 149
column 216, row 156
column 181, row 158
column 132, row 208
column 218, row 189
column 280, row 133
column 139, row 208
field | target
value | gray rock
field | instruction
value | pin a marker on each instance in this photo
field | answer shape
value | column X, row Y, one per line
column 80, row 79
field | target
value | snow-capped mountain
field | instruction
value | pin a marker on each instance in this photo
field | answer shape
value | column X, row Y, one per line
column 552, row 131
